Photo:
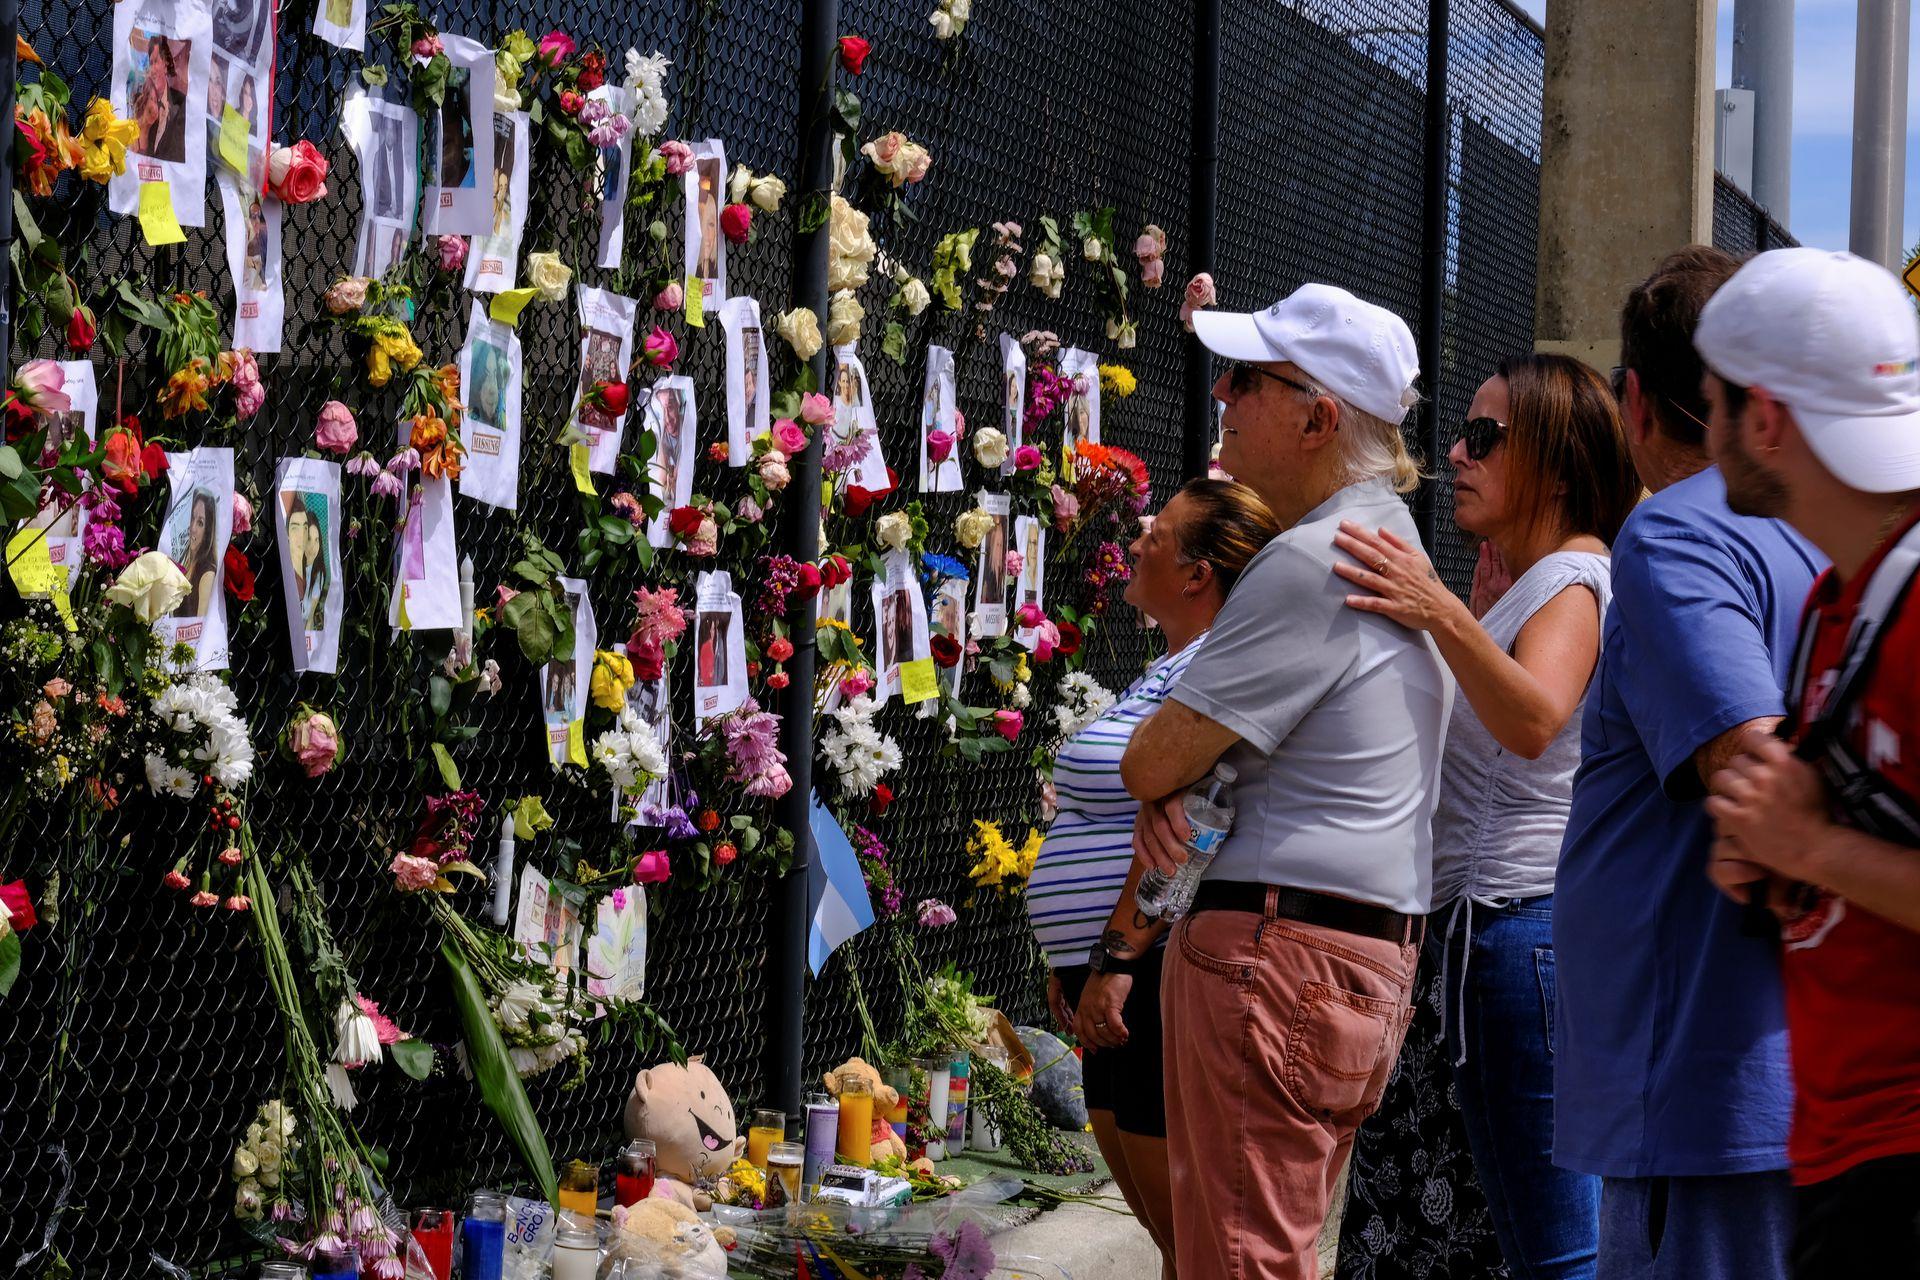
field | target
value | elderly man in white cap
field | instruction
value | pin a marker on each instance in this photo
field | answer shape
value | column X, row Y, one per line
column 1287, row 990
column 1813, row 379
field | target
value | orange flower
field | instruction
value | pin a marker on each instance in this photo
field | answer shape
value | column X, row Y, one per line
column 440, row 454
column 23, row 52
column 186, row 390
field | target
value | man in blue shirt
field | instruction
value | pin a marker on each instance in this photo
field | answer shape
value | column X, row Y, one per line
column 1670, row 1075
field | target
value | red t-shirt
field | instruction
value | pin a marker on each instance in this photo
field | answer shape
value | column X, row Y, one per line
column 1852, row 977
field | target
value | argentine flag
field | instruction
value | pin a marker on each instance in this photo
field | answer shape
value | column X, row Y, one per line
column 835, row 888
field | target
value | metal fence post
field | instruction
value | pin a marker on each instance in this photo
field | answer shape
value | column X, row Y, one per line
column 1202, row 219
column 1433, row 254
column 9, row 75
column 800, row 537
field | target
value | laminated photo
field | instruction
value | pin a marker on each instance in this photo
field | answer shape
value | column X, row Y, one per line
column 719, row 649
column 1013, row 396
column 306, row 522
column 342, row 23
column 546, row 920
column 705, row 189
column 459, row 199
column 612, row 169
column 493, row 259
column 900, row 622
column 1082, row 415
column 671, row 418
column 240, row 74
column 385, row 137
column 426, row 563
column 66, row 521
column 194, row 534
column 490, row 430
column 565, row 680
column 253, row 258
column 606, row 353
column 950, row 619
column 853, row 410
column 937, row 415
column 162, row 53
column 617, row 947
column 990, row 579
column 748, row 396
column 1030, row 540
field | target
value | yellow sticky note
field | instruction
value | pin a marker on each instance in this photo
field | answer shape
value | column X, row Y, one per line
column 233, row 139
column 157, row 220
column 582, row 478
column 34, row 573
column 917, row 681
column 508, row 304
column 577, row 742
column 695, row 303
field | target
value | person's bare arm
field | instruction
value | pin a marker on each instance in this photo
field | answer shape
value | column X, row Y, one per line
column 1129, row 935
column 1171, row 750
column 1743, row 739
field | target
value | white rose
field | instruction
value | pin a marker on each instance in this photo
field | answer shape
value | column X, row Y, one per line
column 269, row 1177
column 914, row 296
column 244, row 1164
column 1091, row 248
column 1128, row 336
column 894, row 530
column 843, row 319
column 989, row 446
column 970, row 527
column 549, row 275
column 942, row 25
column 1040, row 270
column 960, row 9
column 152, row 586
column 850, row 246
column 801, row 328
column 767, row 192
column 737, row 184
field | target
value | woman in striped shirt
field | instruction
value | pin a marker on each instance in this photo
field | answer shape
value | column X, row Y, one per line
column 1184, row 564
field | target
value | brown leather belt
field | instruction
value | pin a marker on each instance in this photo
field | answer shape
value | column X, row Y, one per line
column 1308, row 907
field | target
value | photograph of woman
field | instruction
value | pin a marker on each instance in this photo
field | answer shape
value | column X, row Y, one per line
column 750, row 372
column 490, row 377
column 192, row 549
column 157, row 87
column 993, row 563
column 454, row 126
column 950, row 620
column 1030, row 566
column 710, row 649
column 707, row 266
column 256, row 256
column 557, row 704
column 666, row 417
column 238, row 26
column 601, row 364
column 1010, row 400
column 503, row 133
column 307, row 548
column 389, row 153
column 249, row 104
column 846, row 385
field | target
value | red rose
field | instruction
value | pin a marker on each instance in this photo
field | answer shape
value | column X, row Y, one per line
column 882, row 797
column 835, row 570
column 810, row 580
column 571, row 102
column 153, row 458
column 1070, row 639
column 20, row 903
column 239, row 575
column 593, row 70
column 684, row 520
column 717, row 452
column 613, row 397
column 858, row 500
column 781, row 649
column 736, row 221
column 708, row 820
column 853, row 53
column 81, row 328
column 647, row 658
column 725, row 853
column 946, row 650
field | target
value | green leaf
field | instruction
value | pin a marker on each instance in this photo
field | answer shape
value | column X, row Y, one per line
column 20, row 499
column 449, row 772
column 894, row 344
column 440, row 695
column 492, row 1067
column 10, row 465
column 815, row 212
column 415, row 1057
column 374, row 75
column 531, row 626
column 9, row 962
column 24, row 226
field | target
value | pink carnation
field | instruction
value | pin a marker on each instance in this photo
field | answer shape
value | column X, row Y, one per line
column 412, row 874
column 248, row 393
column 935, row 913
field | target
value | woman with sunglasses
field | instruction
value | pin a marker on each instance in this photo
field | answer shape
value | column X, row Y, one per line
column 1541, row 471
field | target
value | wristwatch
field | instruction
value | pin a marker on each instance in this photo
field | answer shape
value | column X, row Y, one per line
column 1100, row 960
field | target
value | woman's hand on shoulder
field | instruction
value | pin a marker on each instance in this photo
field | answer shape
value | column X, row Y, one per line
column 1401, row 583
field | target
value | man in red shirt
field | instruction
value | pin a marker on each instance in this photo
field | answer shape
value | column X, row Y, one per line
column 1813, row 378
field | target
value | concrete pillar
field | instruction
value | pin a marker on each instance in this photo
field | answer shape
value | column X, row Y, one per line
column 1626, row 166
column 1880, row 132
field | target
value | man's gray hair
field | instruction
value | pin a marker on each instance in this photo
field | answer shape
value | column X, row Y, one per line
column 1374, row 449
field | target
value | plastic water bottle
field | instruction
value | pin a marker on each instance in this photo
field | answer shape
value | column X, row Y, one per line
column 1209, row 810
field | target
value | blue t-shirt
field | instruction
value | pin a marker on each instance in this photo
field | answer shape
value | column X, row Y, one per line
column 1670, row 1036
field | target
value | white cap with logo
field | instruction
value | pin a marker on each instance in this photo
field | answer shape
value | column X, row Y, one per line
column 1834, row 338
column 1362, row 353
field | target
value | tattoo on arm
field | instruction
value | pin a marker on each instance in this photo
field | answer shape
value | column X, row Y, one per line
column 1117, row 944
column 1431, row 575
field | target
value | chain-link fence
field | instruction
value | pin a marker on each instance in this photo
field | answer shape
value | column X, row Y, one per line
column 141, row 1037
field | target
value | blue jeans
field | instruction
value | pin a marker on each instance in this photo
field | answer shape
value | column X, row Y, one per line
column 1500, row 996
column 1730, row 1227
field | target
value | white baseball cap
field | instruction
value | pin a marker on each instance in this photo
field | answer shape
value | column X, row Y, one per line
column 1833, row 337
column 1362, row 353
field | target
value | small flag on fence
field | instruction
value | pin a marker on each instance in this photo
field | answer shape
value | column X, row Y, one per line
column 835, row 887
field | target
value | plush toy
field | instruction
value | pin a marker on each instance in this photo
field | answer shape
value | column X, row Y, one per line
column 689, row 1119
column 884, row 1140
column 664, row 1232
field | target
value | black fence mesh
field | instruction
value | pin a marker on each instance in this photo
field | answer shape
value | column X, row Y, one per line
column 1742, row 227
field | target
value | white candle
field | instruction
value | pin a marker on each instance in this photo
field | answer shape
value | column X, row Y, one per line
column 464, row 647
column 503, row 875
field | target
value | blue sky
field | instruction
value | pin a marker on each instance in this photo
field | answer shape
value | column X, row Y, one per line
column 1822, row 117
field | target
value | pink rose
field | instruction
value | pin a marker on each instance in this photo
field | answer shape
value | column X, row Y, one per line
column 453, row 252
column 297, row 174
column 855, row 683
column 1199, row 294
column 789, row 436
column 773, row 472
column 1066, row 508
column 314, row 741
column 816, row 410
column 1008, row 724
column 921, row 161
column 661, row 349
column 706, row 539
column 349, row 294
column 1046, row 638
column 939, row 445
column 669, row 298
column 886, row 147
column 39, row 384
column 556, row 46
column 678, row 155
column 1026, row 458
column 652, row 867
column 248, row 394
column 412, row 874
column 736, row 222
column 1031, row 615
column 503, row 595
column 428, row 47
column 337, row 432
column 242, row 513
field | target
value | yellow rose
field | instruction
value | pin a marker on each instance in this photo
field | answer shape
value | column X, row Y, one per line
column 152, row 586
column 843, row 319
column 103, row 141
column 549, row 275
column 850, row 247
column 801, row 328
column 971, row 527
column 612, row 676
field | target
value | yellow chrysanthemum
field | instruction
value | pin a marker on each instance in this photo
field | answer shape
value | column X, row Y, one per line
column 1117, row 380
column 104, row 142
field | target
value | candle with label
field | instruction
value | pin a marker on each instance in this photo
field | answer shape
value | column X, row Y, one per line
column 823, row 1127
column 580, row 1188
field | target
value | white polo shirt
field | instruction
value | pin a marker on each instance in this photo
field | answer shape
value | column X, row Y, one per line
column 1342, row 717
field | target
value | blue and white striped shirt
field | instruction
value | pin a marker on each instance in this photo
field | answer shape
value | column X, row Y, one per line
column 1083, row 864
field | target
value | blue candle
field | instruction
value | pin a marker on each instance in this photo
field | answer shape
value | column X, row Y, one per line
column 344, row 1265
column 483, row 1241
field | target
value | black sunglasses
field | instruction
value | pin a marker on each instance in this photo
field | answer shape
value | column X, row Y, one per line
column 1480, row 435
column 1240, row 376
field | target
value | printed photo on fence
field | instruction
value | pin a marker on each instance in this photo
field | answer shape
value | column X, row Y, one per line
column 306, row 517
column 899, row 622
column 990, row 580
column 950, row 620
column 672, row 420
column 546, row 920
column 426, row 560
column 253, row 258
column 1082, row 412
column 748, row 393
column 385, row 137
column 617, row 947
column 342, row 23
column 194, row 534
column 64, row 518
column 1030, row 539
column 565, row 681
column 719, row 649
column 652, row 701
column 240, row 75
column 460, row 144
column 704, row 187
column 162, row 56
column 939, row 438
column 606, row 352
column 1013, row 397
column 611, row 174
column 853, row 411
column 490, row 377
column 493, row 259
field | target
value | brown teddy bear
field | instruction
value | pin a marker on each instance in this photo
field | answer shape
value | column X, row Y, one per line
column 688, row 1117
column 885, row 1141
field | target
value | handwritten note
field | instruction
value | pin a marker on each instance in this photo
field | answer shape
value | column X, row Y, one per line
column 696, row 303
column 509, row 303
column 582, row 478
column 233, row 139
column 918, row 682
column 157, row 220
column 34, row 573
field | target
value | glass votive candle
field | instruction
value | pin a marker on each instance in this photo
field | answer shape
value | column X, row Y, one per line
column 855, row 1143
column 580, row 1188
column 576, row 1250
column 767, row 1128
column 633, row 1172
column 433, row 1232
column 786, row 1162
column 483, row 1236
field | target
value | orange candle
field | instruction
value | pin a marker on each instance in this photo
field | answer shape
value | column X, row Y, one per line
column 768, row 1127
column 856, row 1120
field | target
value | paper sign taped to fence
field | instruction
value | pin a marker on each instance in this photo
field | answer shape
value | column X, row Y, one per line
column 917, row 681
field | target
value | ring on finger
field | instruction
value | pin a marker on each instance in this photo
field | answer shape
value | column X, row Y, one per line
column 1382, row 567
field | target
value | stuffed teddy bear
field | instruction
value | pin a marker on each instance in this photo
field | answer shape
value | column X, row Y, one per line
column 885, row 1141
column 665, row 1232
column 688, row 1117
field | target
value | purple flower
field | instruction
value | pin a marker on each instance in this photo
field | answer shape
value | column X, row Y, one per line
column 841, row 453
column 754, row 758
column 749, row 510
column 388, row 485
column 363, row 464
column 967, row 1252
column 106, row 545
column 779, row 575
column 407, row 460
column 934, row 913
